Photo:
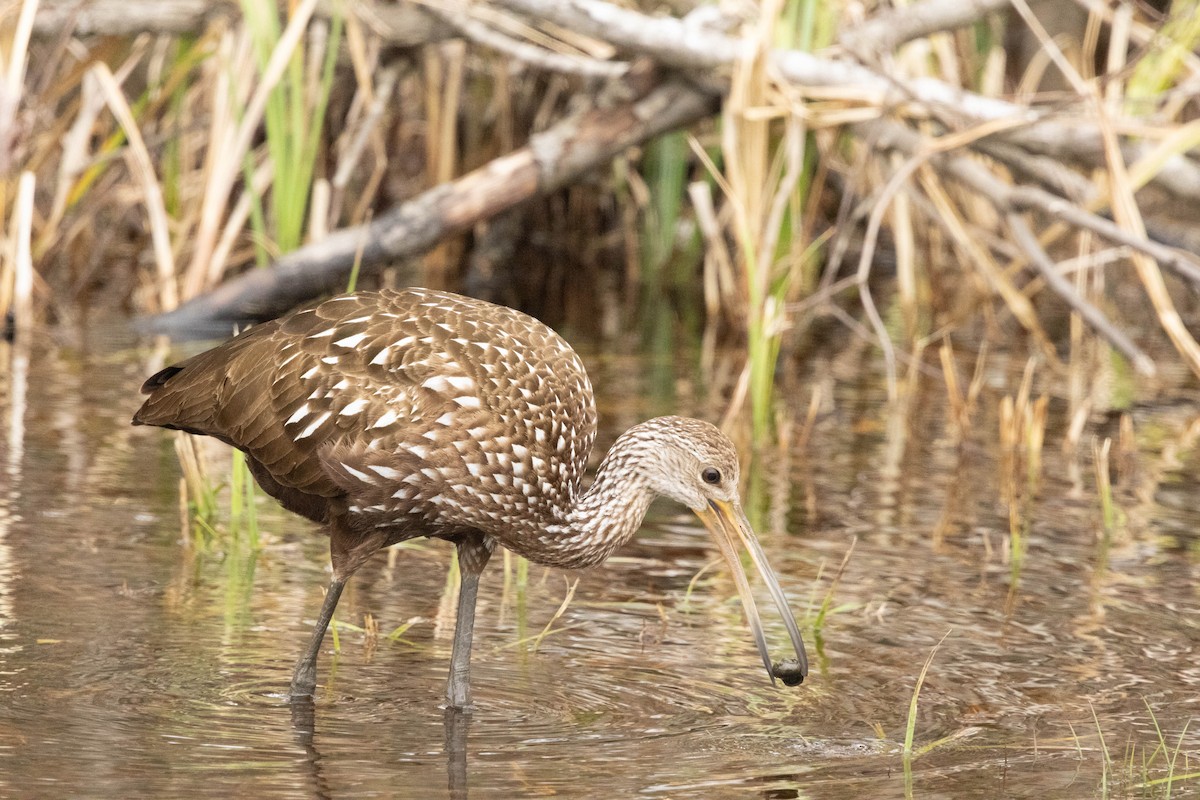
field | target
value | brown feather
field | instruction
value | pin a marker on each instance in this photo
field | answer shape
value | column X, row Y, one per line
column 413, row 410
column 396, row 414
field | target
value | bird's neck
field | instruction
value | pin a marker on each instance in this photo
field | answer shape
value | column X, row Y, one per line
column 604, row 517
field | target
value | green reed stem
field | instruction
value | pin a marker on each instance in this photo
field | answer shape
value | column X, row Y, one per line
column 666, row 166
column 911, row 726
column 293, row 120
column 243, row 515
column 1162, row 64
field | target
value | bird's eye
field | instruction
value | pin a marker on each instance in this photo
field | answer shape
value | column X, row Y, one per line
column 711, row 475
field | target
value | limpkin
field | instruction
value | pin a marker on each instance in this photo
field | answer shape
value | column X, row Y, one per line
column 398, row 414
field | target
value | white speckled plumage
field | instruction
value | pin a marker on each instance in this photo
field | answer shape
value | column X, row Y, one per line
column 412, row 383
column 395, row 414
column 449, row 400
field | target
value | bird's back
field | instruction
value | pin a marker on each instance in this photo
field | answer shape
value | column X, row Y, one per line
column 418, row 409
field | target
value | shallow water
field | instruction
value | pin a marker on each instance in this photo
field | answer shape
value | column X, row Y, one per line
column 133, row 663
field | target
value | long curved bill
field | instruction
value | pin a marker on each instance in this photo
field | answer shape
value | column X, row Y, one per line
column 729, row 526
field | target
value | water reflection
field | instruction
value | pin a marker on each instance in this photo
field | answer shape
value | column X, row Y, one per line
column 15, row 356
column 304, row 721
column 457, row 724
column 133, row 663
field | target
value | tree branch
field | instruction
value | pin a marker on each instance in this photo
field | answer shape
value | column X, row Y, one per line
column 551, row 160
column 887, row 30
column 895, row 135
column 402, row 25
column 1063, row 288
column 458, row 16
column 674, row 42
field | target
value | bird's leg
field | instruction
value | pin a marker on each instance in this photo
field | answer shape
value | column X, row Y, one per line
column 348, row 550
column 473, row 554
column 304, row 679
column 456, row 724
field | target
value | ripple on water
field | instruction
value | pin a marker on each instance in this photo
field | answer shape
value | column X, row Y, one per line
column 131, row 666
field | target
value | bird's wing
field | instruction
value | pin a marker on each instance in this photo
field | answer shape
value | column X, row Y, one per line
column 367, row 389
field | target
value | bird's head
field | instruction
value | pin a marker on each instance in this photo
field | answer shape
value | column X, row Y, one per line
column 694, row 463
column 691, row 462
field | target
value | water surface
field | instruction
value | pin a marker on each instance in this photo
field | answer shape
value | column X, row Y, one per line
column 134, row 663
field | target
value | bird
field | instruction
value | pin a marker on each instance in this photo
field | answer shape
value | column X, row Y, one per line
column 396, row 414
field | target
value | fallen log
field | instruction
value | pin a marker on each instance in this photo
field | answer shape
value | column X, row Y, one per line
column 401, row 25
column 678, row 43
column 551, row 160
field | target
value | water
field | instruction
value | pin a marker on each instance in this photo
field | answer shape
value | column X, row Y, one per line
column 133, row 664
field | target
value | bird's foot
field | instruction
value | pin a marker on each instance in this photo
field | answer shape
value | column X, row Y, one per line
column 458, row 695
column 304, row 681
column 459, row 704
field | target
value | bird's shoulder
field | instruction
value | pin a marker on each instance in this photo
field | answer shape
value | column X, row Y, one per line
column 382, row 362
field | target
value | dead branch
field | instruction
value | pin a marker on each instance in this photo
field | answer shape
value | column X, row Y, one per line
column 887, row 30
column 689, row 44
column 1063, row 288
column 1012, row 200
column 677, row 43
column 127, row 17
column 458, row 16
column 1029, row 198
column 1067, row 186
column 551, row 160
column 1030, row 142
column 401, row 25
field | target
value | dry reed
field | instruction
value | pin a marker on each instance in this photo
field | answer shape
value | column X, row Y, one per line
column 155, row 146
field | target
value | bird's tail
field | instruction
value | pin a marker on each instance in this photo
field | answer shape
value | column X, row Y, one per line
column 184, row 396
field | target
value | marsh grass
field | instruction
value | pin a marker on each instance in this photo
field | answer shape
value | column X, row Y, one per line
column 962, row 402
column 566, row 602
column 685, row 605
column 1154, row 769
column 827, row 607
column 665, row 169
column 369, row 628
column 765, row 173
column 16, row 260
column 239, row 563
column 215, row 197
column 396, row 634
column 1104, row 489
column 352, row 281
column 530, row 643
column 215, row 144
column 1165, row 757
column 198, row 493
column 909, row 752
column 1162, row 66
column 200, row 499
column 760, row 177
column 293, row 121
column 367, row 633
column 243, row 513
column 514, row 591
column 1022, row 433
column 910, row 724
